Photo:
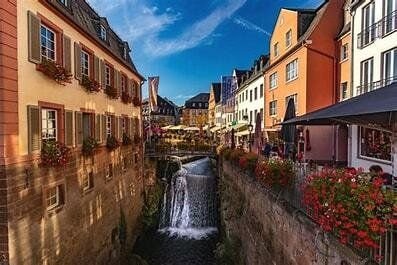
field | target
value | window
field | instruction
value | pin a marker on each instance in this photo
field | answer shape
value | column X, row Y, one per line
column 389, row 64
column 109, row 171
column 261, row 112
column 85, row 63
column 123, row 84
column 261, row 91
column 107, row 75
column 54, row 197
column 292, row 70
column 88, row 181
column 344, row 91
column 273, row 80
column 200, row 105
column 193, row 104
column 273, row 108
column 250, row 121
column 64, row 2
column 344, row 53
column 246, row 95
column 288, row 38
column 255, row 113
column 108, row 126
column 275, row 49
column 125, row 53
column 87, row 125
column 390, row 21
column 366, row 75
column 368, row 21
column 255, row 93
column 47, row 43
column 295, row 98
column 375, row 144
column 103, row 32
column 49, row 124
column 251, row 95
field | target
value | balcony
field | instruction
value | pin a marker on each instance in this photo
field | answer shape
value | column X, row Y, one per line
column 379, row 29
column 375, row 85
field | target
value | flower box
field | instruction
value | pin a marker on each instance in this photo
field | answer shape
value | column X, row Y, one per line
column 54, row 154
column 126, row 140
column 111, row 92
column 275, row 173
column 126, row 97
column 90, row 145
column 55, row 71
column 136, row 101
column 112, row 143
column 90, row 85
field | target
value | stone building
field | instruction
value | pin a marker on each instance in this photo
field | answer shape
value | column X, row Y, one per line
column 195, row 111
column 166, row 113
column 66, row 77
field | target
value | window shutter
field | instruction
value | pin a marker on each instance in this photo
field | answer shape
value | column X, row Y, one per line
column 96, row 68
column 34, row 135
column 103, row 77
column 131, row 125
column 34, row 38
column 98, row 127
column 77, row 61
column 79, row 127
column 121, row 127
column 103, row 117
column 116, row 127
column 117, row 82
column 136, row 125
column 69, row 127
column 130, row 88
column 67, row 62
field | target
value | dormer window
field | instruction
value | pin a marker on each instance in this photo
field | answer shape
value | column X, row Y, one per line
column 103, row 32
column 64, row 2
column 125, row 53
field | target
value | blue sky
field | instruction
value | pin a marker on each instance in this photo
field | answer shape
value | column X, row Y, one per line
column 191, row 43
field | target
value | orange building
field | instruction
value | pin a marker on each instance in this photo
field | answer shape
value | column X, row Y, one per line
column 303, row 66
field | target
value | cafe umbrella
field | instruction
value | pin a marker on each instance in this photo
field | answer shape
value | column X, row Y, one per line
column 288, row 131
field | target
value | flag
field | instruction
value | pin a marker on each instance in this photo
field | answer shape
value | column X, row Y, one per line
column 153, row 91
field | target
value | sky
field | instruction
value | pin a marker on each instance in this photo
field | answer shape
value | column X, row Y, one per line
column 192, row 43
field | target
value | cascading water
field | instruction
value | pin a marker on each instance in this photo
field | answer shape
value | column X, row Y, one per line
column 189, row 206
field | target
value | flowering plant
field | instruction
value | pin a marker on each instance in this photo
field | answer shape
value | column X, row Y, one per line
column 275, row 173
column 126, row 97
column 111, row 92
column 248, row 162
column 226, row 152
column 136, row 101
column 345, row 202
column 54, row 154
column 55, row 71
column 90, row 144
column 112, row 143
column 235, row 156
column 89, row 84
column 137, row 139
column 126, row 139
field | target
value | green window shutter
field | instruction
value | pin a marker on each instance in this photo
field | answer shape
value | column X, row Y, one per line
column 34, row 135
column 79, row 127
column 98, row 127
column 77, row 61
column 96, row 68
column 69, row 127
column 67, row 60
column 103, row 117
column 34, row 38
column 103, row 77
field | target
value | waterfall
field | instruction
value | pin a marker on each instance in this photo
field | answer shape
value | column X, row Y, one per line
column 189, row 204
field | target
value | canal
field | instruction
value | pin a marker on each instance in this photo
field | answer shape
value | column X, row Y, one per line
column 188, row 225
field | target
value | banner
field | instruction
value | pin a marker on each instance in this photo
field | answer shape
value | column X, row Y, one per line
column 153, row 91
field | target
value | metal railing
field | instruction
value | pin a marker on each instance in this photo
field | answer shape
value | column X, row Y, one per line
column 364, row 88
column 377, row 30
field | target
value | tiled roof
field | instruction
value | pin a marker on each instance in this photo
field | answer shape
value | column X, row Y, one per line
column 346, row 28
column 87, row 19
column 217, row 91
column 202, row 97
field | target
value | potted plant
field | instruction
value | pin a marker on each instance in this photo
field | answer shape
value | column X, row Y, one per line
column 54, row 154
column 126, row 97
column 90, row 144
column 111, row 92
column 89, row 84
column 137, row 102
column 126, row 139
column 112, row 143
column 55, row 71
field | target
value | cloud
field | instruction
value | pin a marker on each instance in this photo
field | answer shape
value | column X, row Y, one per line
column 106, row 7
column 250, row 26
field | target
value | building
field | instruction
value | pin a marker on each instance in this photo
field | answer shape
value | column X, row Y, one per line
column 195, row 111
column 66, row 77
column 250, row 95
column 302, row 67
column 215, row 98
column 374, row 66
column 166, row 113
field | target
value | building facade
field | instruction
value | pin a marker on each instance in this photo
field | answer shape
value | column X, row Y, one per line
column 195, row 111
column 374, row 39
column 65, row 78
column 166, row 113
column 215, row 98
column 302, row 66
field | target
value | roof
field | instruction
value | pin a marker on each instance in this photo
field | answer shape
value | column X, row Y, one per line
column 87, row 19
column 377, row 108
column 202, row 97
column 216, row 87
column 346, row 28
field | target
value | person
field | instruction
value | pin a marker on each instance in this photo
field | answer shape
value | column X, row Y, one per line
column 267, row 149
column 377, row 170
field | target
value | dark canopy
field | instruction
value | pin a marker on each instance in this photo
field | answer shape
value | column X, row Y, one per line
column 375, row 108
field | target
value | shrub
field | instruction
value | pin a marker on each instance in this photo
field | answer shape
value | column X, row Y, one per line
column 126, row 139
column 235, row 156
column 356, row 210
column 112, row 143
column 248, row 162
column 90, row 85
column 90, row 144
column 54, row 154
column 275, row 173
column 55, row 71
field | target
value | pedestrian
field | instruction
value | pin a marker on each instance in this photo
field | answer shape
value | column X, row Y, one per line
column 377, row 171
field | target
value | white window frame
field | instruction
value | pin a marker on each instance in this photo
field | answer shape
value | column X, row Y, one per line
column 390, row 23
column 103, row 32
column 45, row 121
column 87, row 181
column 44, row 47
column 389, row 77
column 53, row 197
column 261, row 90
column 342, row 92
column 295, row 97
column 273, row 80
column 85, row 63
column 273, row 108
column 288, row 38
column 291, row 71
column 371, row 22
column 360, row 155
column 276, row 50
column 369, row 75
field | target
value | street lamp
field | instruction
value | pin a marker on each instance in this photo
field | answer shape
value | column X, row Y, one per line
column 250, row 128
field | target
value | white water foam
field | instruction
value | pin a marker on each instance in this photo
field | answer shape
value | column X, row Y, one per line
column 190, row 233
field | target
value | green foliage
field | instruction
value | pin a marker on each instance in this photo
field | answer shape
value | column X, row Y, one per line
column 54, row 154
column 228, row 252
column 89, row 146
column 151, row 209
column 112, row 143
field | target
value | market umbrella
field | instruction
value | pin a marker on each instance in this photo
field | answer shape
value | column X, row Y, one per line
column 258, row 133
column 288, row 131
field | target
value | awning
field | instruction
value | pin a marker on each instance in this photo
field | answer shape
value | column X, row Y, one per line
column 166, row 127
column 377, row 108
column 191, row 129
column 238, row 126
column 179, row 127
column 215, row 129
column 205, row 128
column 242, row 133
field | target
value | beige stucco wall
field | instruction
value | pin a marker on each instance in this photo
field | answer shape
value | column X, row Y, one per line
column 35, row 86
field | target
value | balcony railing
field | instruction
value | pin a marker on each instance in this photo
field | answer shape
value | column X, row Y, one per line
column 364, row 88
column 377, row 30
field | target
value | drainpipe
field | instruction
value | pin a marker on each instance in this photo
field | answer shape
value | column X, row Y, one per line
column 350, row 132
